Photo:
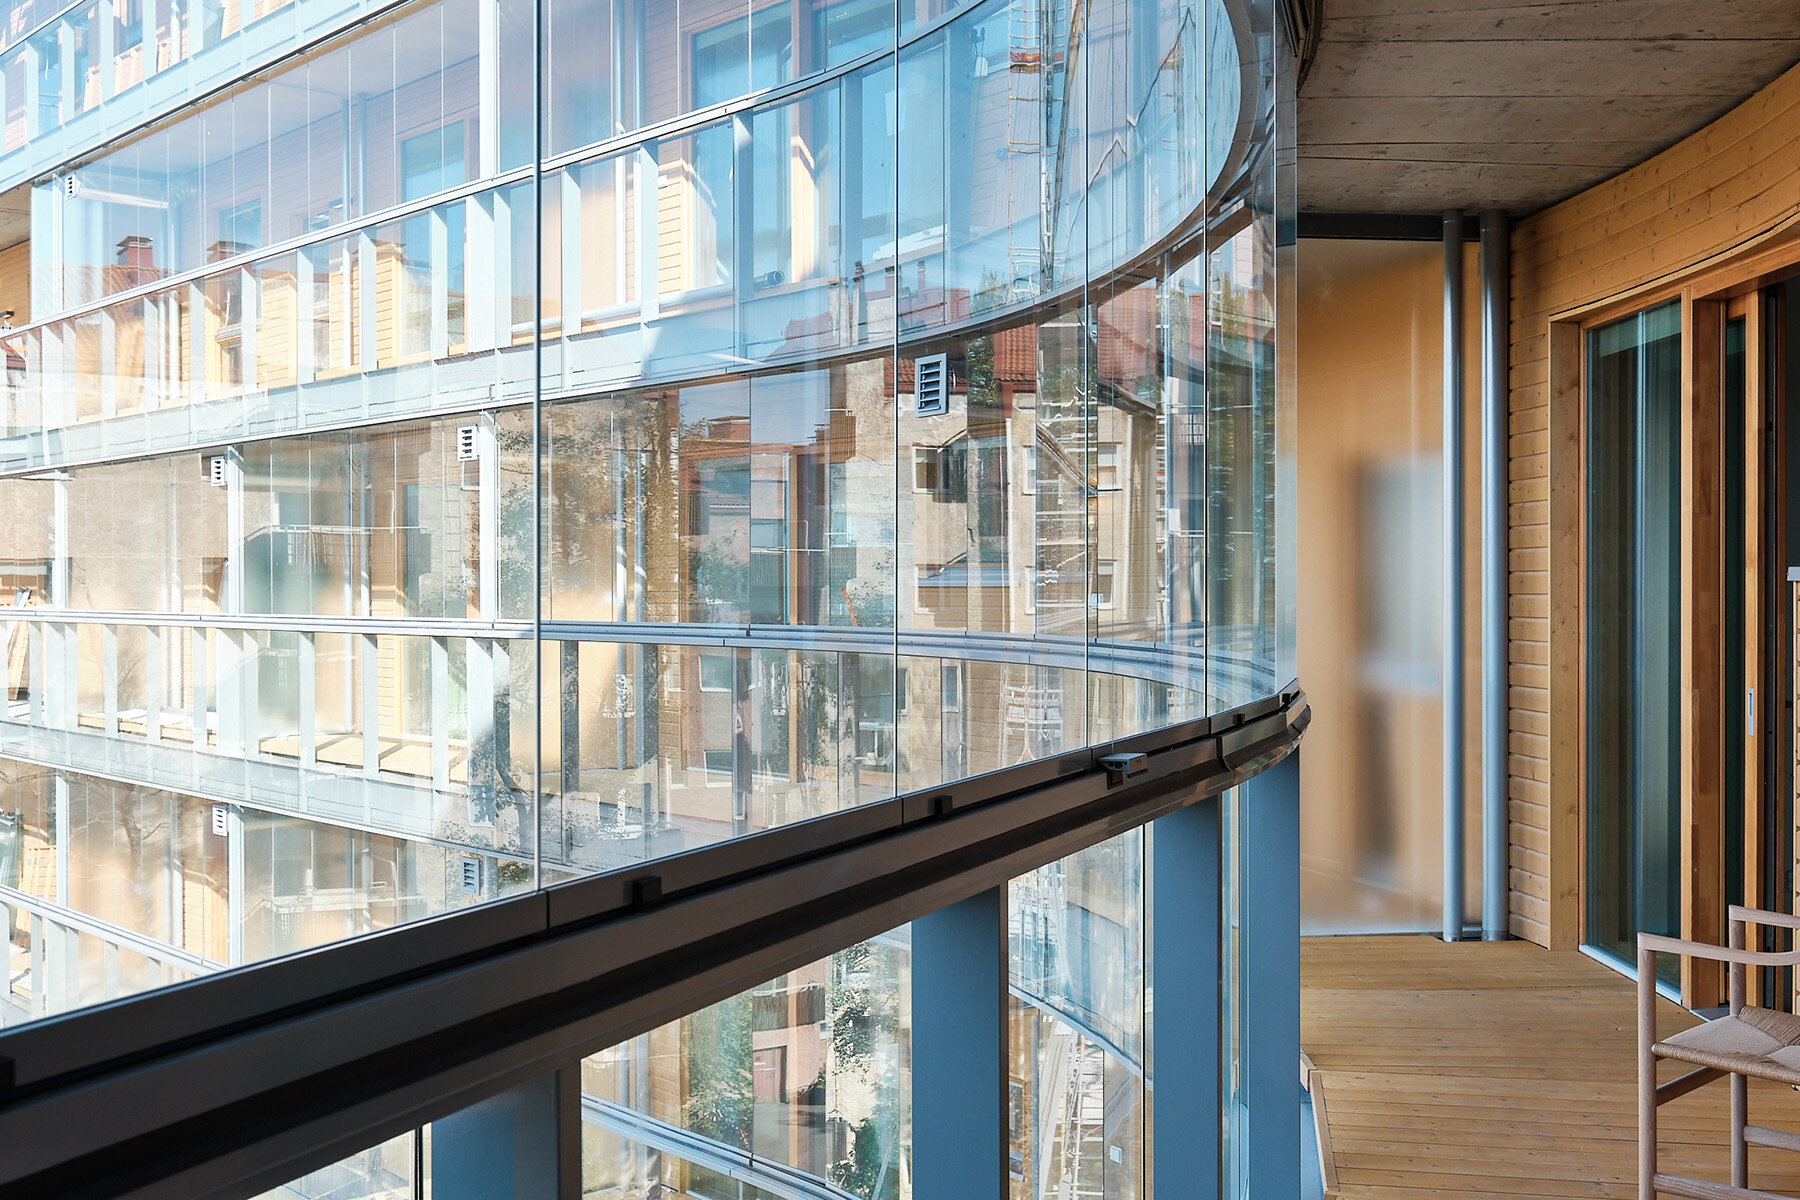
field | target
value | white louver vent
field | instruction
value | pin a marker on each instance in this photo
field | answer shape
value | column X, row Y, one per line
column 465, row 443
column 215, row 469
column 471, row 875
column 931, row 396
column 71, row 187
column 221, row 820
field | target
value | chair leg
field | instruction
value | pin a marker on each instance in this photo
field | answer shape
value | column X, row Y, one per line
column 1740, row 1115
column 1646, row 1034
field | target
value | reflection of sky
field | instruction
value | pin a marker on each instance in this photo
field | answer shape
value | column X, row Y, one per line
column 1224, row 98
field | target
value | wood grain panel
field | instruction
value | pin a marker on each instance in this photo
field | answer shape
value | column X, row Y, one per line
column 1702, row 646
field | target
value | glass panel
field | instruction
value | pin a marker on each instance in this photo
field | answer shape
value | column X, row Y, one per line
column 1633, row 618
column 397, row 1169
column 804, row 1077
column 392, row 507
column 1371, row 629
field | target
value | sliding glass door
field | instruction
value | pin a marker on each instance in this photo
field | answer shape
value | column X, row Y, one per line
column 1633, row 631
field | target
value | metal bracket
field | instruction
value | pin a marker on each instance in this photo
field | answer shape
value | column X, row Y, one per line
column 1120, row 767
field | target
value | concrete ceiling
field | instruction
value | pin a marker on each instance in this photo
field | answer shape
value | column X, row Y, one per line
column 1415, row 106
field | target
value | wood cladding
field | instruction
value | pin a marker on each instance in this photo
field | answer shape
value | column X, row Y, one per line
column 1710, row 215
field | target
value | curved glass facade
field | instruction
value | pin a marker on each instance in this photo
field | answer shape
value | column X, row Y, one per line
column 490, row 447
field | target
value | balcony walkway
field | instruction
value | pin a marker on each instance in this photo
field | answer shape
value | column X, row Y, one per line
column 1500, row 1070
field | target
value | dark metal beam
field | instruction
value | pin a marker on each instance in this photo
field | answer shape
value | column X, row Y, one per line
column 1380, row 227
column 232, row 1084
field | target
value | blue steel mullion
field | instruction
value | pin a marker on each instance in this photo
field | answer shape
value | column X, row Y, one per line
column 960, row 1010
column 1270, row 1065
column 1186, row 1017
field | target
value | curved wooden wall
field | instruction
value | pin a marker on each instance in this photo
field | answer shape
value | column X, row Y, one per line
column 1723, row 203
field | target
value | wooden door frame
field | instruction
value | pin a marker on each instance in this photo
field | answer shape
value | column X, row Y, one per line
column 1751, row 309
column 1709, row 295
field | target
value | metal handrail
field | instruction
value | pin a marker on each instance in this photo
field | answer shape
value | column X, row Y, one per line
column 191, row 1088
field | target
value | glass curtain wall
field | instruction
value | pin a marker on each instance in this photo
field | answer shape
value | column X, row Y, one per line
column 425, row 488
column 1633, row 628
column 432, row 480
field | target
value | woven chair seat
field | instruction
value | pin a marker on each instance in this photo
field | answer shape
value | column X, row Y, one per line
column 1758, row 1041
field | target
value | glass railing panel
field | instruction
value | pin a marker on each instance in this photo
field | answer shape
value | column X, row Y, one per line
column 309, row 883
column 28, row 831
column 147, row 535
column 397, row 1169
column 797, row 1087
column 803, row 1085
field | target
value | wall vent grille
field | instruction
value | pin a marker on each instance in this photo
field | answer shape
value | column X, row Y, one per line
column 465, row 443
column 931, row 395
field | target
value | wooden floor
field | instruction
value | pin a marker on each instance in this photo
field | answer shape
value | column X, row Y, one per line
column 1499, row 1069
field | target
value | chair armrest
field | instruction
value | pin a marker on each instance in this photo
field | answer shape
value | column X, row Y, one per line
column 1762, row 916
column 1656, row 943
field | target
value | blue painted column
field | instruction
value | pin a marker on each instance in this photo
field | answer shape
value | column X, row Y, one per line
column 959, row 1053
column 1271, row 991
column 524, row 1144
column 1186, row 1079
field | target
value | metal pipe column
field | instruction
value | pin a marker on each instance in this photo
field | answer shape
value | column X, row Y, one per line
column 1454, row 764
column 1496, row 275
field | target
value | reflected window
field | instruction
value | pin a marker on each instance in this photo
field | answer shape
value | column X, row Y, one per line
column 432, row 162
column 1106, row 467
column 715, row 672
column 1104, row 581
column 748, row 54
column 928, row 469
column 768, row 1074
column 129, row 18
column 852, row 28
column 240, row 230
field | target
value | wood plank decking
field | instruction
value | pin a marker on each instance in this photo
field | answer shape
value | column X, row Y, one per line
column 1500, row 1069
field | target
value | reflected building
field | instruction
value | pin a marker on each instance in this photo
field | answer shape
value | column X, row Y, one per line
column 452, row 449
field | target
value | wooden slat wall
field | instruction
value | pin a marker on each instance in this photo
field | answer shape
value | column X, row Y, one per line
column 1722, row 192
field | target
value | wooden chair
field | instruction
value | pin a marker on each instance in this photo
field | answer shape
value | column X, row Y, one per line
column 1749, row 1042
